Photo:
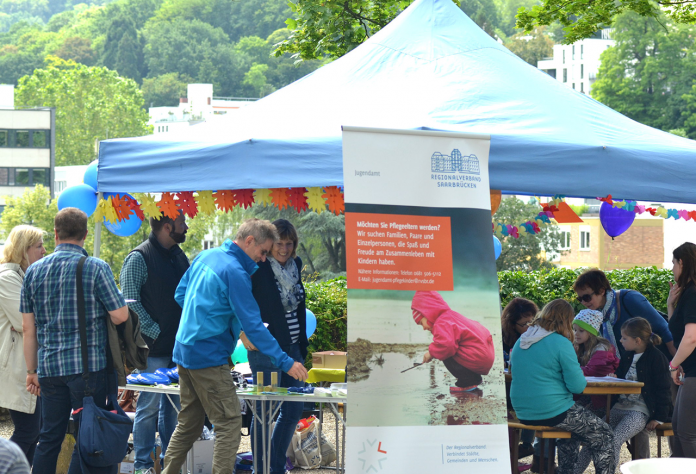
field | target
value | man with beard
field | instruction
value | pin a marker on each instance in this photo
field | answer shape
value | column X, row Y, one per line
column 150, row 275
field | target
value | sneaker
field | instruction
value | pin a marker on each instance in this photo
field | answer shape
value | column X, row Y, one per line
column 150, row 470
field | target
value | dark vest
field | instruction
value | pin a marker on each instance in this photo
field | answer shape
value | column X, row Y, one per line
column 265, row 290
column 164, row 271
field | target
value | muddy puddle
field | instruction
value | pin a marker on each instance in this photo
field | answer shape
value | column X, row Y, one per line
column 383, row 396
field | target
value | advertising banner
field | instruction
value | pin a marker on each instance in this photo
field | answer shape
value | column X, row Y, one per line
column 425, row 367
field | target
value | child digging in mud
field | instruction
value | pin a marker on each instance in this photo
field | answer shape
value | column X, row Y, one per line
column 463, row 345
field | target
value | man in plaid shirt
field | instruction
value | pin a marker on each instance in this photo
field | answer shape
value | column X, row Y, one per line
column 52, row 344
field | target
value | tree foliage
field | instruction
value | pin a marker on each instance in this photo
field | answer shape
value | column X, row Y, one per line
column 92, row 103
column 531, row 47
column 647, row 73
column 34, row 207
column 528, row 252
column 581, row 19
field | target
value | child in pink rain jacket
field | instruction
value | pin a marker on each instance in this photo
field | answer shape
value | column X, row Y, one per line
column 463, row 345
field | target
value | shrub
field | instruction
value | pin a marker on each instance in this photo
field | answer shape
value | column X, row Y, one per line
column 545, row 285
column 328, row 301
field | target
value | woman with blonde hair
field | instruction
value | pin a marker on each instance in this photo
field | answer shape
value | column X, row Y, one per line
column 545, row 375
column 23, row 247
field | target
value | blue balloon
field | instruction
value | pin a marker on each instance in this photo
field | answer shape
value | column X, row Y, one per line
column 123, row 228
column 311, row 324
column 90, row 177
column 615, row 220
column 497, row 246
column 81, row 196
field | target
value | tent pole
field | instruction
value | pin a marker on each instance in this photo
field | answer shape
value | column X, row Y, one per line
column 97, row 231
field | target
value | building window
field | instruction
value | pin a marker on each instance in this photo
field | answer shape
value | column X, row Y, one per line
column 28, row 176
column 565, row 75
column 582, row 71
column 565, row 237
column 573, row 86
column 573, row 53
column 208, row 244
column 582, row 87
column 564, row 56
column 4, row 138
column 4, row 176
column 22, row 138
column 60, row 186
column 585, row 238
column 582, row 47
column 39, row 139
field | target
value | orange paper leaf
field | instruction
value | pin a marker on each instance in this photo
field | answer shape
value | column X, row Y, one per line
column 280, row 199
column 187, row 203
column 167, row 205
column 334, row 198
column 225, row 200
column 244, row 197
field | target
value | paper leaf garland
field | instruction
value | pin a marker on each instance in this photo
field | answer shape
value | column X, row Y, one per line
column 134, row 206
column 298, row 200
column 244, row 197
column 121, row 207
column 99, row 211
column 109, row 211
column 225, row 200
column 263, row 196
column 334, row 198
column 168, row 206
column 206, row 203
column 149, row 207
column 280, row 199
column 187, row 203
column 315, row 199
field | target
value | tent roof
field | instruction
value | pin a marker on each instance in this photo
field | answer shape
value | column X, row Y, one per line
column 430, row 68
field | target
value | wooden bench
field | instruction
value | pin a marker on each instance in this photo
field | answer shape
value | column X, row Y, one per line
column 665, row 429
column 543, row 432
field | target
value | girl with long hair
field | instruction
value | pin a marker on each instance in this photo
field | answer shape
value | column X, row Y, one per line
column 545, row 375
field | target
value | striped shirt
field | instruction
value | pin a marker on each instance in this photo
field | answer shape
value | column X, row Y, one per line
column 49, row 291
column 12, row 460
column 293, row 321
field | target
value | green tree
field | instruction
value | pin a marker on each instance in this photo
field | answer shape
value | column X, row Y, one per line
column 581, row 19
column 13, row 66
column 92, row 103
column 34, row 207
column 531, row 47
column 165, row 90
column 647, row 73
column 528, row 252
column 256, row 80
column 484, row 13
column 122, row 49
column 78, row 49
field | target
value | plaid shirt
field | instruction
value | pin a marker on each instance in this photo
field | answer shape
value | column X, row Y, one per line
column 50, row 292
column 133, row 277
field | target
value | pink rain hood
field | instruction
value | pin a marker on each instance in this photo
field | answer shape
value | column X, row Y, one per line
column 469, row 342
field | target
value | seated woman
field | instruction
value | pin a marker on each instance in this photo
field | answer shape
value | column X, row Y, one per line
column 517, row 315
column 278, row 289
column 545, row 375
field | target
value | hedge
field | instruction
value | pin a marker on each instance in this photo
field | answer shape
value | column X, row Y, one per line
column 545, row 285
column 328, row 299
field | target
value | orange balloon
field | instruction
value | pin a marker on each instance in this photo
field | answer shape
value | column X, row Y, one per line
column 496, row 196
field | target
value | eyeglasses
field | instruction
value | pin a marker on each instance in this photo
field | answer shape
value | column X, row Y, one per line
column 525, row 324
column 586, row 298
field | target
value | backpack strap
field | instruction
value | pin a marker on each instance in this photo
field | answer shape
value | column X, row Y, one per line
column 82, row 322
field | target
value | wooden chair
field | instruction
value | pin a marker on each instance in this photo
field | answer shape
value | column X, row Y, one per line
column 665, row 429
column 543, row 432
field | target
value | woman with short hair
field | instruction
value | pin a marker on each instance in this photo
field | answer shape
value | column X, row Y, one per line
column 23, row 247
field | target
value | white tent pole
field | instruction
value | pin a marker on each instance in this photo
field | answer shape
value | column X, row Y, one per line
column 97, row 231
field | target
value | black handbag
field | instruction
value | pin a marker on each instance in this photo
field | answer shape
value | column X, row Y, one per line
column 103, row 432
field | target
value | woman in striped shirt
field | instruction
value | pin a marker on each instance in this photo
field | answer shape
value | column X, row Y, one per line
column 277, row 287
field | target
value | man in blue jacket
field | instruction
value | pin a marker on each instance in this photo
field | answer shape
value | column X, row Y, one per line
column 217, row 303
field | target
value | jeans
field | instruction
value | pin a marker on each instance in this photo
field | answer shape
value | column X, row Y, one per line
column 26, row 430
column 61, row 395
column 290, row 412
column 154, row 412
column 208, row 391
column 465, row 377
column 684, row 420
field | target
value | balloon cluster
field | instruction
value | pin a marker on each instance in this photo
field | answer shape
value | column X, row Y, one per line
column 84, row 197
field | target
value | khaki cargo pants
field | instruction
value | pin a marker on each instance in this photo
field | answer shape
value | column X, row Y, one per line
column 208, row 391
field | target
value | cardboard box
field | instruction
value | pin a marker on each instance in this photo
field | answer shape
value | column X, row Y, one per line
column 126, row 468
column 202, row 456
column 329, row 360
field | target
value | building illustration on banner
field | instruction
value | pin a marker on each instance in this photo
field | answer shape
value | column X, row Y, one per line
column 454, row 163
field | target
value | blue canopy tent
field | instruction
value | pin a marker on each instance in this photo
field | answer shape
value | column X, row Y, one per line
column 430, row 68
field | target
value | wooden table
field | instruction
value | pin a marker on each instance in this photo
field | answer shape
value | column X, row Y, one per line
column 604, row 386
